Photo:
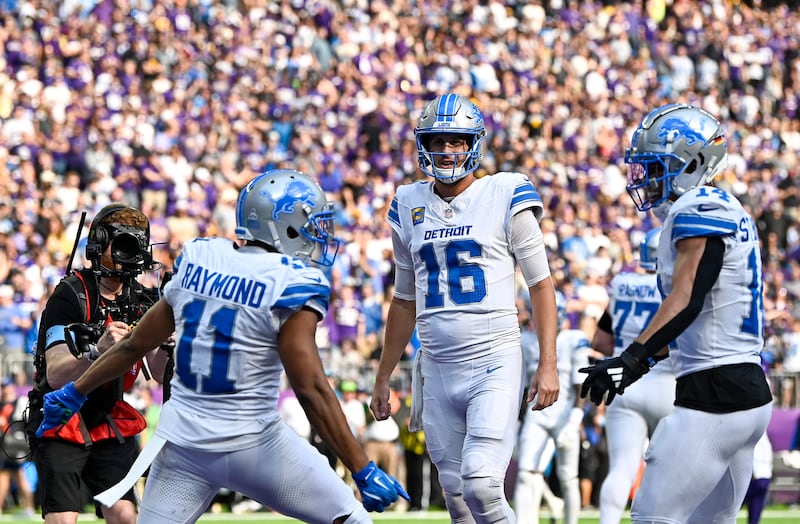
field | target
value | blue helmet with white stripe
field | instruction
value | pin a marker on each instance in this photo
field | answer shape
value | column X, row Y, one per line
column 648, row 249
column 287, row 210
column 676, row 147
column 455, row 115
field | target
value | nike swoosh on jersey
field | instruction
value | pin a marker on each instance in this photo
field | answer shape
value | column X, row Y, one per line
column 490, row 370
column 703, row 208
column 318, row 280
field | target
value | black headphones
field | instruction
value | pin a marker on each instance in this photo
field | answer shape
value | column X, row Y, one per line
column 99, row 236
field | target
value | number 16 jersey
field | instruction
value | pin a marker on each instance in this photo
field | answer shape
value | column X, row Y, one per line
column 462, row 261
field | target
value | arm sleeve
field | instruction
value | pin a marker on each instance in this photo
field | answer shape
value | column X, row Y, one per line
column 707, row 272
column 527, row 243
column 404, row 270
column 605, row 324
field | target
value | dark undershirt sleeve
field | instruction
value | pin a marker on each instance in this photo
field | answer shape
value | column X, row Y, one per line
column 707, row 273
column 605, row 324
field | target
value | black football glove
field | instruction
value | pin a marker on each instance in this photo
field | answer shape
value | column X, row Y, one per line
column 612, row 375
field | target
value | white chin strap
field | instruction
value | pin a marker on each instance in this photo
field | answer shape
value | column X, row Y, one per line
column 661, row 211
column 449, row 176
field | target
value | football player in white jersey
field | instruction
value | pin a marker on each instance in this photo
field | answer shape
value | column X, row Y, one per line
column 457, row 243
column 632, row 418
column 559, row 423
column 530, row 358
column 242, row 313
column 699, row 461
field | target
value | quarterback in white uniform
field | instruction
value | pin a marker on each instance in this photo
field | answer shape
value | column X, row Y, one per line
column 457, row 242
column 241, row 315
column 700, row 459
column 632, row 419
column 559, row 423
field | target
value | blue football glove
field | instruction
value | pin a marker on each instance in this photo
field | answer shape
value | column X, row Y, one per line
column 378, row 490
column 59, row 406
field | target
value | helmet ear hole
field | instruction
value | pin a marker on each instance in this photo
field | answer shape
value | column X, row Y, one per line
column 292, row 232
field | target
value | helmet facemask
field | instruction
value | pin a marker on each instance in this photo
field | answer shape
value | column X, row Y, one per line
column 288, row 211
column 676, row 148
column 464, row 162
column 452, row 115
column 319, row 229
column 650, row 178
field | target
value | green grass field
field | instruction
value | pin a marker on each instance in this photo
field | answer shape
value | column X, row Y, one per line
column 770, row 516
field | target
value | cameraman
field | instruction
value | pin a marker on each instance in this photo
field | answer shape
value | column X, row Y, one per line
column 88, row 312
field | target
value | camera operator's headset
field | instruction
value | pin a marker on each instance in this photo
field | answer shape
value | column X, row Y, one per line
column 100, row 237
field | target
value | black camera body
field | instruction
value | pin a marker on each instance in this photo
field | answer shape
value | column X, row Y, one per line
column 129, row 307
column 131, row 252
column 130, row 249
column 82, row 337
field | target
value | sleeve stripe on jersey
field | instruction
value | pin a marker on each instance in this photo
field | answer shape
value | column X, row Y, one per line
column 318, row 304
column 297, row 295
column 394, row 215
column 177, row 264
column 689, row 225
column 525, row 193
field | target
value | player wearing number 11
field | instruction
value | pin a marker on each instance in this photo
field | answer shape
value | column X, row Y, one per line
column 699, row 461
column 243, row 314
column 457, row 243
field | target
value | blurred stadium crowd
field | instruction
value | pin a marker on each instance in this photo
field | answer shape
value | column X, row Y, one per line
column 172, row 105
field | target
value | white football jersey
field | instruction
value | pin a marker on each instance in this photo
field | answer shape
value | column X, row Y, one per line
column 729, row 328
column 229, row 305
column 633, row 300
column 530, row 353
column 572, row 349
column 463, row 266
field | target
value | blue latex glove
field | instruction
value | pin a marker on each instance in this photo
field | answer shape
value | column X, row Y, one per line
column 378, row 490
column 59, row 406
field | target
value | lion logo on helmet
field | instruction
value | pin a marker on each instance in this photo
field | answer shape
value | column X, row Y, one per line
column 673, row 128
column 296, row 192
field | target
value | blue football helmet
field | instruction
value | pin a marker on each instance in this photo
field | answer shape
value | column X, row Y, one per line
column 450, row 114
column 676, row 147
column 287, row 210
column 648, row 249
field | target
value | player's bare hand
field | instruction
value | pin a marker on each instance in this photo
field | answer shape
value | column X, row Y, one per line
column 113, row 333
column 543, row 391
column 379, row 405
